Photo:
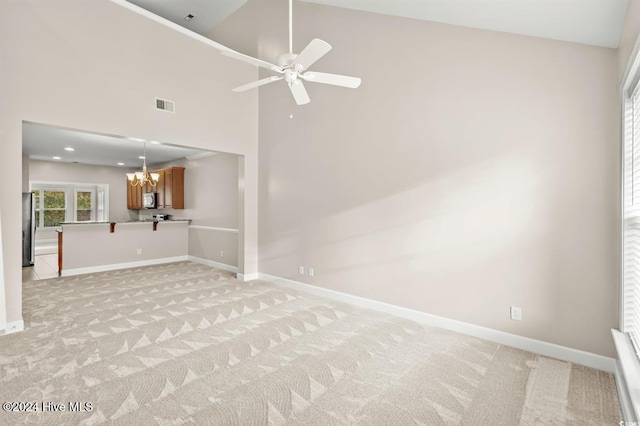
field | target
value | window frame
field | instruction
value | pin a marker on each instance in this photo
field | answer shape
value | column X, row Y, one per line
column 41, row 208
column 629, row 93
column 99, row 199
column 628, row 363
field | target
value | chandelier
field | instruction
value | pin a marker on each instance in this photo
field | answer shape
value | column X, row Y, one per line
column 144, row 177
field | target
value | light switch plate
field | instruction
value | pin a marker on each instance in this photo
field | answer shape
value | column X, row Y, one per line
column 516, row 313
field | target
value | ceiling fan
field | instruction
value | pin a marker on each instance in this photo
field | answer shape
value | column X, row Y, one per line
column 293, row 68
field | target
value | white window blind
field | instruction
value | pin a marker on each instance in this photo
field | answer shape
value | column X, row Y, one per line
column 631, row 218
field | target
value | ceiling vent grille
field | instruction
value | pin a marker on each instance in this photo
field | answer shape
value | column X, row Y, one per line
column 165, row 105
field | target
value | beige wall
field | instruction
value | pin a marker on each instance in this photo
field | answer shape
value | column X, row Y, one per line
column 216, row 245
column 471, row 171
column 211, row 191
column 211, row 201
column 49, row 171
column 93, row 245
column 96, row 66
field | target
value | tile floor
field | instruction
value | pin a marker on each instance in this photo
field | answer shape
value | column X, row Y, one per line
column 46, row 266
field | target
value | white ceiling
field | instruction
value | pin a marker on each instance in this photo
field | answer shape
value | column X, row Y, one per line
column 593, row 22
column 207, row 13
column 41, row 142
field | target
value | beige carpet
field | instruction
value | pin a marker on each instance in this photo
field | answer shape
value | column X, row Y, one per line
column 184, row 343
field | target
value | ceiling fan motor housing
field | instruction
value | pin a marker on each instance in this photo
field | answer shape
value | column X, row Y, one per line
column 290, row 75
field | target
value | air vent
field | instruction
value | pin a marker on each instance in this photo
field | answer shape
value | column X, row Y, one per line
column 165, row 105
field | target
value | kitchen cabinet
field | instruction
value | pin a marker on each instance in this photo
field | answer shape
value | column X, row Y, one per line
column 134, row 196
column 170, row 189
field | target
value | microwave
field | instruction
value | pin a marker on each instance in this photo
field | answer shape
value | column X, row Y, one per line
column 150, row 200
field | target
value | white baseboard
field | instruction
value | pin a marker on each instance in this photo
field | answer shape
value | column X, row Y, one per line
column 532, row 345
column 248, row 277
column 627, row 377
column 13, row 327
column 213, row 264
column 46, row 242
column 115, row 266
column 46, row 250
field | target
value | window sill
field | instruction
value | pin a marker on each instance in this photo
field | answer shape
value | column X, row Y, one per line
column 627, row 376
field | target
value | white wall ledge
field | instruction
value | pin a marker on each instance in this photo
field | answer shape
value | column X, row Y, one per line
column 213, row 228
column 627, row 376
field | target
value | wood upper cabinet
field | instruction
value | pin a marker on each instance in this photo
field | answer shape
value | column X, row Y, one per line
column 170, row 189
column 134, row 196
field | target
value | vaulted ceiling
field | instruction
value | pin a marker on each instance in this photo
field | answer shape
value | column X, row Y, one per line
column 593, row 22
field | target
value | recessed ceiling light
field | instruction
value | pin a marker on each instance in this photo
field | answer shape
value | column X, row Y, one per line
column 141, row 157
column 57, row 158
column 154, row 142
column 189, row 17
column 69, row 149
column 137, row 139
column 120, row 164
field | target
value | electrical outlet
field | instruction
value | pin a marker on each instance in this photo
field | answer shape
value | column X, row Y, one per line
column 311, row 272
column 139, row 251
column 301, row 270
column 221, row 253
column 516, row 313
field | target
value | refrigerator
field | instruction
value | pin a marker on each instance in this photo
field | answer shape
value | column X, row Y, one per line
column 28, row 229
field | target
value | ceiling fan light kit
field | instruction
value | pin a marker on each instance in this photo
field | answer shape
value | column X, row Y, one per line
column 294, row 68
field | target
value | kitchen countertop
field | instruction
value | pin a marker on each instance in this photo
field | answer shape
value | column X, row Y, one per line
column 124, row 221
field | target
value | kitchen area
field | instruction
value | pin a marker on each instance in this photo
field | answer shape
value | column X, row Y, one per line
column 90, row 203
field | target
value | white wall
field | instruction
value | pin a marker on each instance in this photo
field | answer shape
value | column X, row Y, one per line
column 471, row 171
column 95, row 66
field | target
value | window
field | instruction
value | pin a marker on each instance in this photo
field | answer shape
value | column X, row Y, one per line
column 85, row 202
column 630, row 306
column 57, row 203
column 53, row 207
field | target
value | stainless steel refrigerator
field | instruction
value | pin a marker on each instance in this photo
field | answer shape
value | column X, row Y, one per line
column 28, row 229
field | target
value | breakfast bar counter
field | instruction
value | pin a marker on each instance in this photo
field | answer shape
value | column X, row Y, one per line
column 87, row 247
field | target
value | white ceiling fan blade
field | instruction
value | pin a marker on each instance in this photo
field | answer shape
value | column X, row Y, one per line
column 334, row 79
column 299, row 92
column 315, row 50
column 258, row 83
column 251, row 60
